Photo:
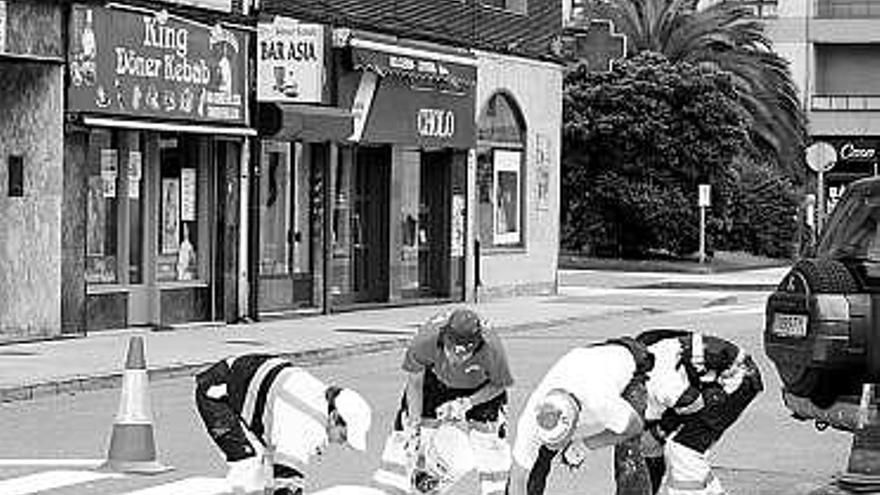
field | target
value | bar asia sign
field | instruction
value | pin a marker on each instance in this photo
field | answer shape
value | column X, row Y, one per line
column 155, row 65
column 290, row 61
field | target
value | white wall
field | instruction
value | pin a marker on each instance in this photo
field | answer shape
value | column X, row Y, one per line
column 537, row 88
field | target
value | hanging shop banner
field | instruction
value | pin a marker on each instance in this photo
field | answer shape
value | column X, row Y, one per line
column 155, row 65
column 290, row 61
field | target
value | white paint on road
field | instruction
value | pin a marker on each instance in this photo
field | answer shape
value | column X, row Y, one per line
column 78, row 463
column 682, row 293
column 187, row 486
column 49, row 480
column 740, row 309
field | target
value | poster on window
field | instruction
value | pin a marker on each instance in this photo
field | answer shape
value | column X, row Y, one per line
column 507, row 197
column 97, row 217
column 188, row 194
column 170, row 215
column 458, row 212
column 135, row 164
column 109, row 170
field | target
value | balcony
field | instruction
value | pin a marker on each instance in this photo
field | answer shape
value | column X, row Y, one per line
column 844, row 103
column 847, row 9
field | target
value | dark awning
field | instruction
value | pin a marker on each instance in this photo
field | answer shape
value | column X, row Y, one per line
column 294, row 122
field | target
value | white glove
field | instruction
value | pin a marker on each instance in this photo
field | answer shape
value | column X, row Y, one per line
column 247, row 475
column 454, row 410
column 574, row 454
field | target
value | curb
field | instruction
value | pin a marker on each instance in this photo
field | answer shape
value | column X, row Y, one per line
column 306, row 358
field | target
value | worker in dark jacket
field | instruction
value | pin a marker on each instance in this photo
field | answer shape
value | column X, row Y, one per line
column 723, row 381
column 269, row 417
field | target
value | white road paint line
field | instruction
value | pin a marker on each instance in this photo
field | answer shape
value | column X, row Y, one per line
column 187, row 486
column 49, row 480
column 721, row 310
column 79, row 463
column 683, row 293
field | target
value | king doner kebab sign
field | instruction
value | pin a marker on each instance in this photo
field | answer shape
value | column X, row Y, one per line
column 151, row 64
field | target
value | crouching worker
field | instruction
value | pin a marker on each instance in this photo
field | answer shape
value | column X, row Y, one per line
column 723, row 380
column 269, row 417
column 591, row 398
column 457, row 368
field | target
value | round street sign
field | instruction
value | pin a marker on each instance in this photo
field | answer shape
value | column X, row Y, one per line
column 821, row 156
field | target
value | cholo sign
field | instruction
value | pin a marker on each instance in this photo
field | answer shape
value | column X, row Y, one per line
column 155, row 65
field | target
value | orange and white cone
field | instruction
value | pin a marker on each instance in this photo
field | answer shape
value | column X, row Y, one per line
column 132, row 444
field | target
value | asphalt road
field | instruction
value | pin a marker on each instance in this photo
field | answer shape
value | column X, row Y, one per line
column 766, row 452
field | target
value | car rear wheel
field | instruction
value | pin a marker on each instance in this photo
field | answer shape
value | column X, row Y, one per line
column 794, row 362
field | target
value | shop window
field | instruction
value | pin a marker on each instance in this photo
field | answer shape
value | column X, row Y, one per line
column 102, row 226
column 500, row 173
column 180, row 218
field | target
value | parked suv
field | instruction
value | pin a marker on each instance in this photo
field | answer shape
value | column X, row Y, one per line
column 822, row 327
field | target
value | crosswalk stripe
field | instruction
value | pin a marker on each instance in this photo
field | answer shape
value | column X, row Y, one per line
column 79, row 463
column 49, row 480
column 187, row 486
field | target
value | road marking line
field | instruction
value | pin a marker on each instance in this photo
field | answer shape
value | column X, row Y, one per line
column 49, row 480
column 81, row 463
column 682, row 293
column 720, row 310
column 187, row 486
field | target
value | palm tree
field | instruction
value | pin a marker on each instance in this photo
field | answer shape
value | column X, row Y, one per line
column 726, row 36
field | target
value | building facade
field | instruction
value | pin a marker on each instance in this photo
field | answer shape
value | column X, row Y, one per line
column 444, row 185
column 31, row 175
column 834, row 50
column 194, row 161
column 157, row 117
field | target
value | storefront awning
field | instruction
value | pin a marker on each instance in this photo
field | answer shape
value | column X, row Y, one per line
column 146, row 125
column 294, row 122
column 446, row 70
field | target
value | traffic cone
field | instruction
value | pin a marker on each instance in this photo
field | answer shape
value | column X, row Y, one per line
column 132, row 445
column 862, row 474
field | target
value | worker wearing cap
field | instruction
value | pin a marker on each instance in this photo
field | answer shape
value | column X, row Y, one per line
column 590, row 398
column 722, row 381
column 456, row 366
column 269, row 417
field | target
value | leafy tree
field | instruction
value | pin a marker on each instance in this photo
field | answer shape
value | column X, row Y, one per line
column 636, row 143
column 724, row 35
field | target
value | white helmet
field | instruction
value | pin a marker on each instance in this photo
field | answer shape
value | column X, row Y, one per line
column 556, row 415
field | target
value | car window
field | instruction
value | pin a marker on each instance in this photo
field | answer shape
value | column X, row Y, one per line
column 853, row 230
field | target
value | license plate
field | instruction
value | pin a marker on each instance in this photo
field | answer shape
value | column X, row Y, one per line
column 789, row 325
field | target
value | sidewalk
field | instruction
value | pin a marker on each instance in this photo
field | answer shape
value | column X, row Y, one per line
column 30, row 370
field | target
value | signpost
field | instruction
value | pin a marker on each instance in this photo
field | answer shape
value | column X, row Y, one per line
column 705, row 199
column 821, row 157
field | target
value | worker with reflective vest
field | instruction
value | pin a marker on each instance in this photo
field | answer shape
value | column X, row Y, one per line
column 268, row 417
column 456, row 367
column 723, row 381
column 592, row 397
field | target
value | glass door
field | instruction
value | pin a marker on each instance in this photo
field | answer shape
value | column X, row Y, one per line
column 286, row 231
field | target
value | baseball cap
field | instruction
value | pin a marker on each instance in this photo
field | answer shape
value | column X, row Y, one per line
column 556, row 415
column 463, row 327
column 357, row 414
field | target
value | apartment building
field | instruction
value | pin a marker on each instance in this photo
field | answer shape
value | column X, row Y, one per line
column 834, row 50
